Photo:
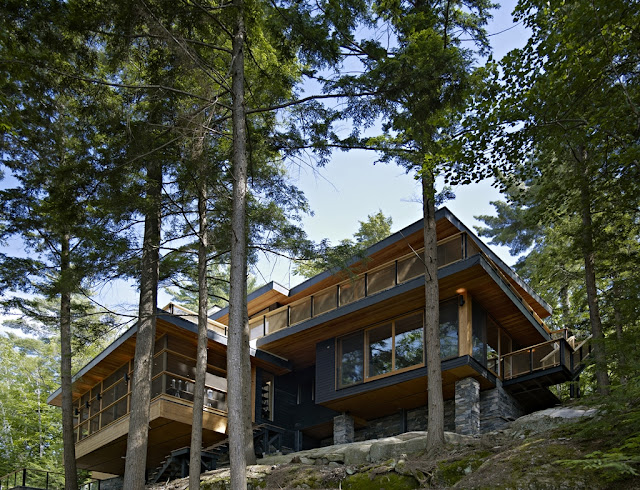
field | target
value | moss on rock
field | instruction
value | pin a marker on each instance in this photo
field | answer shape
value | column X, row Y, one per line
column 387, row 481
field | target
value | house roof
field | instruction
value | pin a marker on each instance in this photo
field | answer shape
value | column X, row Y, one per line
column 274, row 292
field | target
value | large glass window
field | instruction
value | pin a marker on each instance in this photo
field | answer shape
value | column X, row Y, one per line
column 449, row 329
column 409, row 341
column 351, row 359
column 388, row 347
column 380, row 350
column 486, row 339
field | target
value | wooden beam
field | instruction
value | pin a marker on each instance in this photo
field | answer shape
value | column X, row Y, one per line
column 465, row 326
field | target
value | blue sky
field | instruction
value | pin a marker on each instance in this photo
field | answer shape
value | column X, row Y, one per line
column 351, row 187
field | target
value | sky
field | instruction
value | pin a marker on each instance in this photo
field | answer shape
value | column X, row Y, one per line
column 350, row 188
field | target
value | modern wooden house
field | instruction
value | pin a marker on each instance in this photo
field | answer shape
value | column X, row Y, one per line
column 340, row 357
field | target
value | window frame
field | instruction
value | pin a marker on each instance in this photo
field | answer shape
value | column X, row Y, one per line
column 366, row 357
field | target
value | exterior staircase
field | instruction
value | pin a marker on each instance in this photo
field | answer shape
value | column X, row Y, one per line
column 267, row 440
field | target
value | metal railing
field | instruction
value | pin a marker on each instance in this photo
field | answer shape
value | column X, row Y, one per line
column 40, row 479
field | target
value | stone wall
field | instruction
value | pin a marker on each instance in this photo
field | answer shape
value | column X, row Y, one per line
column 115, row 483
column 407, row 421
column 498, row 408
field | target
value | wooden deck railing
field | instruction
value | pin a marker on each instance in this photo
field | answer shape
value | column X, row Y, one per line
column 553, row 353
column 386, row 276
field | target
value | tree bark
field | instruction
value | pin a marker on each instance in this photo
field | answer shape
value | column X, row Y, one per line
column 435, row 420
column 618, row 321
column 201, row 356
column 588, row 253
column 238, row 281
column 136, row 457
column 68, row 441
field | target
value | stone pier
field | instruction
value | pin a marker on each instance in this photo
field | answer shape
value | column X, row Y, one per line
column 468, row 407
column 343, row 429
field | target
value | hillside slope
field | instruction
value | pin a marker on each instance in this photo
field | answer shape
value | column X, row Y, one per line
column 561, row 448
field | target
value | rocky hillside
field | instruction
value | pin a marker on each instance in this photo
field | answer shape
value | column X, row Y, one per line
column 557, row 448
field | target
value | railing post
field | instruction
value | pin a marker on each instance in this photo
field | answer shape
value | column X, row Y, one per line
column 24, row 477
column 47, row 480
column 396, row 280
column 530, row 360
column 311, row 306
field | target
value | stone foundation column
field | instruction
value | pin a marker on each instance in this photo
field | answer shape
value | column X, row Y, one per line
column 343, row 429
column 468, row 406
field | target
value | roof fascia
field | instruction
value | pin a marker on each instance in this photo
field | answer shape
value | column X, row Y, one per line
column 93, row 362
column 271, row 286
column 505, row 268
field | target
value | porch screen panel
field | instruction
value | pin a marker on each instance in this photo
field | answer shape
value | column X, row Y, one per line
column 449, row 329
column 118, row 375
column 351, row 359
column 300, row 312
column 380, row 350
column 409, row 334
column 472, row 248
column 277, row 321
column 381, row 279
column 156, row 386
column 351, row 291
column 409, row 268
column 256, row 326
column 325, row 301
column 450, row 251
column 181, row 366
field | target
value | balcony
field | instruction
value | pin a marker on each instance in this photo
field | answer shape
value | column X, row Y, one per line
column 450, row 250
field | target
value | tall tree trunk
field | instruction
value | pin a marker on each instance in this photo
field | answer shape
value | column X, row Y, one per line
column 201, row 356
column 136, row 457
column 238, row 280
column 70, row 471
column 435, row 420
column 618, row 321
column 588, row 253
column 250, row 453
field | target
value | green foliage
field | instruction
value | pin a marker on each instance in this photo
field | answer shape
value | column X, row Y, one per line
column 376, row 228
column 30, row 430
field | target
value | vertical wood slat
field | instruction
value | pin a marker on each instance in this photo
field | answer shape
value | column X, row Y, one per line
column 465, row 327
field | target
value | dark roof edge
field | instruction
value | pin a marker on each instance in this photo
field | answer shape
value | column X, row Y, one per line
column 270, row 286
column 93, row 362
column 492, row 255
column 376, row 247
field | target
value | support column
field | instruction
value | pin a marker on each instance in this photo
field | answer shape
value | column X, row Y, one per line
column 468, row 406
column 343, row 429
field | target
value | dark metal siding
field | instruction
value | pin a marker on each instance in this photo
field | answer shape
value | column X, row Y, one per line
column 325, row 370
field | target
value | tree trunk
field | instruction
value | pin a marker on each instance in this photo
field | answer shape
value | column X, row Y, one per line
column 602, row 376
column 201, row 356
column 435, row 421
column 136, row 457
column 618, row 321
column 250, row 453
column 68, row 441
column 238, row 279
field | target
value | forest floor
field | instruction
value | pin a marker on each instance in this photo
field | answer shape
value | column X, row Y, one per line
column 598, row 451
